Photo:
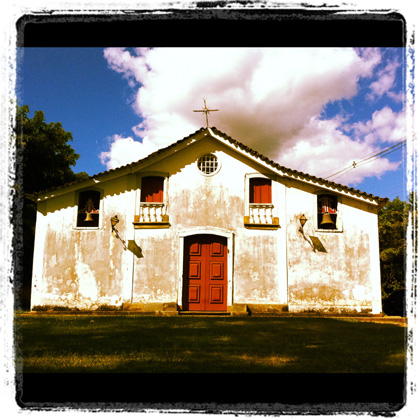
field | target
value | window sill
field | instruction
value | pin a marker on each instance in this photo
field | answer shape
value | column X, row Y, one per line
column 262, row 226
column 151, row 225
column 86, row 228
column 164, row 224
column 329, row 230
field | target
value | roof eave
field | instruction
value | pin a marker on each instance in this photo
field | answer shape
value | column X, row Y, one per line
column 230, row 143
column 121, row 171
column 291, row 174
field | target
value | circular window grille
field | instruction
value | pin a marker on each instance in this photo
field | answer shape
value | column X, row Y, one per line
column 208, row 164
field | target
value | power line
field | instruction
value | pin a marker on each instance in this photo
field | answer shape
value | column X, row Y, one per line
column 369, row 159
column 395, row 146
column 365, row 158
column 399, row 186
column 382, row 155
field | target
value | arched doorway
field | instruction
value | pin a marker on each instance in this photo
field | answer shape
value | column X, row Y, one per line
column 205, row 273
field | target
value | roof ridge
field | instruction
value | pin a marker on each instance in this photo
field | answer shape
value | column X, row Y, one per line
column 294, row 171
column 236, row 143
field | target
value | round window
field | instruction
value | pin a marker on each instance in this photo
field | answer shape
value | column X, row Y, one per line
column 208, row 164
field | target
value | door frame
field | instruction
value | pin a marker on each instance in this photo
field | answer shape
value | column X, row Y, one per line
column 229, row 235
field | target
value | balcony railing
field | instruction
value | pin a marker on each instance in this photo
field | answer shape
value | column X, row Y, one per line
column 151, row 215
column 261, row 216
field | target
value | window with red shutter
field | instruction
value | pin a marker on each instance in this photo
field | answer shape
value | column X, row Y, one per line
column 260, row 190
column 152, row 189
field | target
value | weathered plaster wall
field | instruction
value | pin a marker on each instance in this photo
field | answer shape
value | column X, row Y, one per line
column 218, row 202
column 198, row 200
column 155, row 274
column 74, row 267
column 87, row 268
column 257, row 268
column 339, row 277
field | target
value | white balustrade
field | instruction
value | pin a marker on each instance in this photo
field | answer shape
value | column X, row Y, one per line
column 152, row 212
column 261, row 213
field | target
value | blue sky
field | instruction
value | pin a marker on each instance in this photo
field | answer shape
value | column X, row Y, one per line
column 76, row 87
column 314, row 110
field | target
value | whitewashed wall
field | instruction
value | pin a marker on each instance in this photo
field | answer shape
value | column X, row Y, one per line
column 87, row 268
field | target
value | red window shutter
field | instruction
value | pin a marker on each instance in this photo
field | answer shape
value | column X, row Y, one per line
column 152, row 189
column 260, row 190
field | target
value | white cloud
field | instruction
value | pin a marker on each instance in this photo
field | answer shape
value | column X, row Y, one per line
column 124, row 151
column 322, row 149
column 385, row 126
column 384, row 83
column 120, row 60
column 271, row 99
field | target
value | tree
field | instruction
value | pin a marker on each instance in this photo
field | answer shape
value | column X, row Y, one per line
column 43, row 161
column 45, row 155
column 393, row 222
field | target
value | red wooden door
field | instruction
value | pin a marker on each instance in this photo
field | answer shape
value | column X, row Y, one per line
column 205, row 273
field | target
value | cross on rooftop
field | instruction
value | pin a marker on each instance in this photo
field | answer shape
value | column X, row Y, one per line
column 206, row 111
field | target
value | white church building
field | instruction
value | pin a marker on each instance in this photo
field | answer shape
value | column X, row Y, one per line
column 207, row 225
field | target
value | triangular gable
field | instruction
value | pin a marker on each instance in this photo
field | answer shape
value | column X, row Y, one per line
column 122, row 170
column 294, row 174
column 230, row 143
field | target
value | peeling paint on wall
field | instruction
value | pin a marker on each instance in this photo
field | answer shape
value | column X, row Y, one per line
column 256, row 268
column 86, row 268
column 87, row 282
column 338, row 279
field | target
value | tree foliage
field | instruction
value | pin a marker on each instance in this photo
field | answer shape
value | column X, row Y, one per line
column 393, row 223
column 43, row 152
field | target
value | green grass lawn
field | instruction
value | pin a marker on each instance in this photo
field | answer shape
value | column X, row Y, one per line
column 143, row 344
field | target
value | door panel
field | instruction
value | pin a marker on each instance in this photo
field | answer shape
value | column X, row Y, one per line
column 216, row 249
column 195, row 249
column 195, row 270
column 216, row 294
column 216, row 271
column 194, row 294
column 205, row 273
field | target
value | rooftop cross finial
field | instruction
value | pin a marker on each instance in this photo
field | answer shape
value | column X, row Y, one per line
column 206, row 111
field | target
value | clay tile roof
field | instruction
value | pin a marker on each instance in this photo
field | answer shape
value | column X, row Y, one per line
column 295, row 172
column 243, row 147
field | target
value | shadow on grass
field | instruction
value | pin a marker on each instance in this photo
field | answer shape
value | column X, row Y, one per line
column 139, row 344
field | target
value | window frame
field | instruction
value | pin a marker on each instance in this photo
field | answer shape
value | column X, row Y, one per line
column 273, row 191
column 219, row 163
column 138, row 203
column 339, row 213
column 140, row 176
column 273, row 205
column 250, row 190
column 163, row 188
column 77, row 204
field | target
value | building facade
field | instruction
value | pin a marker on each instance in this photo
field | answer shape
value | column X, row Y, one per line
column 207, row 224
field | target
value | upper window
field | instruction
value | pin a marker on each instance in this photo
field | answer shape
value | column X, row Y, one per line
column 260, row 191
column 260, row 212
column 88, row 208
column 208, row 164
column 152, row 189
column 327, row 211
column 152, row 209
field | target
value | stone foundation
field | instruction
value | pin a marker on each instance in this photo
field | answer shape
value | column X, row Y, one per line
column 153, row 308
column 237, row 309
